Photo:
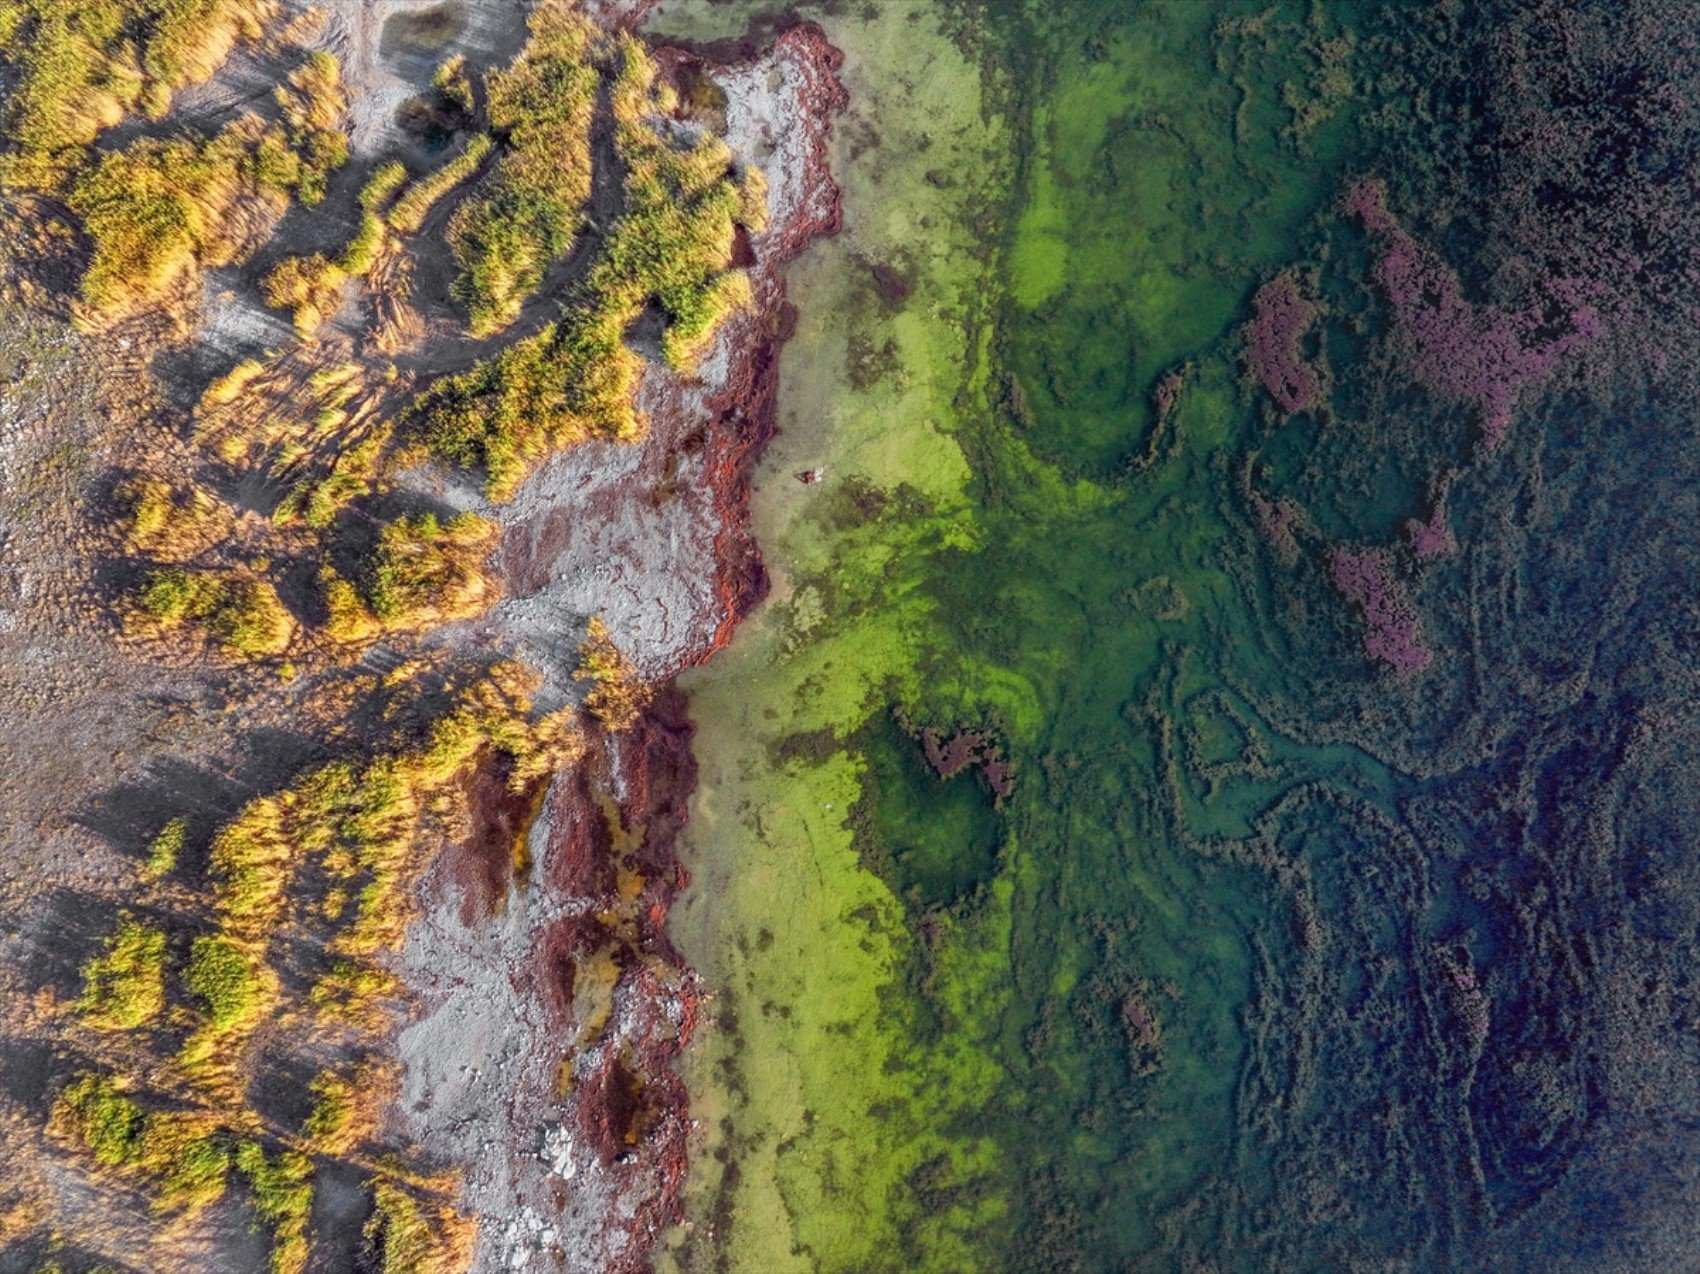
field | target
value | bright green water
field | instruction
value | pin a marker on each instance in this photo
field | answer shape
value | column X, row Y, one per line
column 926, row 1053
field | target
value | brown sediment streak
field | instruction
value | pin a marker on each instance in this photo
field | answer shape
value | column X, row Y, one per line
column 611, row 1000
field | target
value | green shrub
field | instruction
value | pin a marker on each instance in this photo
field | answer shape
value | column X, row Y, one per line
column 183, row 1155
column 174, row 595
column 236, row 990
column 124, row 987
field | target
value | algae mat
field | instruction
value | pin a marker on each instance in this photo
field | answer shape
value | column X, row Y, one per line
column 1079, row 883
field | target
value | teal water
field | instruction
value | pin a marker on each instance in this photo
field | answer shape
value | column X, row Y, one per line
column 1205, row 986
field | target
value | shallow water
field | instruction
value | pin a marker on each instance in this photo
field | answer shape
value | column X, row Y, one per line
column 1208, row 983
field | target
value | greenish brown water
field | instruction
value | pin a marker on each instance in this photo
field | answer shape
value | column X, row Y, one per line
column 1196, row 990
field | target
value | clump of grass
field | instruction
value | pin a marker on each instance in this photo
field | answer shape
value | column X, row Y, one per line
column 618, row 694
column 312, row 103
column 408, row 212
column 283, row 1196
column 251, row 620
column 571, row 382
column 186, row 1157
column 347, row 1105
column 332, row 1119
column 183, row 1155
column 752, row 200
column 251, row 859
column 236, row 990
column 310, row 287
column 675, row 242
column 124, row 986
column 382, row 185
column 163, row 521
column 362, row 250
column 164, row 850
column 229, row 387
column 351, row 990
column 244, row 615
column 425, row 570
column 528, row 210
column 191, row 39
column 96, row 1111
column 349, row 619
column 352, row 474
column 576, row 379
column 412, row 1234
column 80, row 66
column 161, row 209
column 454, row 84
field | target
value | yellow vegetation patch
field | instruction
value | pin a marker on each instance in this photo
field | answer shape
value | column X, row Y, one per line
column 242, row 614
column 124, row 986
column 82, row 65
column 576, row 379
column 618, row 694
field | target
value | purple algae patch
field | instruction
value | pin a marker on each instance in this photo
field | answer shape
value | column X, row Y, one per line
column 1281, row 314
column 1480, row 355
column 1364, row 577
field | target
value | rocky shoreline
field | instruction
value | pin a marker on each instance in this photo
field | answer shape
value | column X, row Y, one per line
column 553, row 1003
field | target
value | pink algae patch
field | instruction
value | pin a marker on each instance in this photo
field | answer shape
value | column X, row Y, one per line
column 1281, row 314
column 1431, row 536
column 1484, row 356
column 1365, row 578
